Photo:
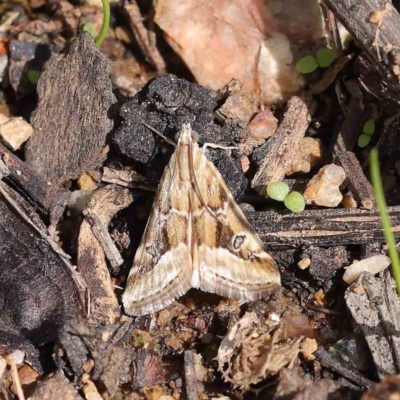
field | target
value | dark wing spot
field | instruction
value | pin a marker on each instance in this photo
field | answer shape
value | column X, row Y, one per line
column 237, row 242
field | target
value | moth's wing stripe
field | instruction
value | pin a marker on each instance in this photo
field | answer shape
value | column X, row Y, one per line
column 161, row 269
column 244, row 272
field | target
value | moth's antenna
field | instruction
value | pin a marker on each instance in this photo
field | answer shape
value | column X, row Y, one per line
column 168, row 140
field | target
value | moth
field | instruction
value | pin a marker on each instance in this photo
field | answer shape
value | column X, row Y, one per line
column 196, row 237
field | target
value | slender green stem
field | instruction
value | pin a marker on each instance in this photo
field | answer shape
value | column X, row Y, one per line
column 387, row 228
column 105, row 24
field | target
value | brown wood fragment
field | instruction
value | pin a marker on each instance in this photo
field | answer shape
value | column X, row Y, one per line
column 130, row 179
column 70, row 121
column 91, row 260
column 47, row 199
column 379, row 39
column 192, row 392
column 143, row 37
column 331, row 227
column 356, row 180
column 281, row 148
column 104, row 238
column 329, row 75
column 376, row 311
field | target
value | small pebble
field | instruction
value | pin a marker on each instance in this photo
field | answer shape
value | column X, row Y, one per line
column 373, row 265
column 86, row 182
column 323, row 188
column 14, row 132
column 304, row 263
column 88, row 365
column 319, row 298
column 307, row 348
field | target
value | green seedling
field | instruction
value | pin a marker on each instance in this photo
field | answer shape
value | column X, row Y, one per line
column 295, row 202
column 105, row 24
column 307, row 65
column 369, row 128
column 278, row 191
column 363, row 140
column 386, row 225
column 325, row 57
column 33, row 76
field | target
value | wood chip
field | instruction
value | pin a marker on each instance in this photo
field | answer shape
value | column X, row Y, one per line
column 92, row 252
column 376, row 311
column 330, row 227
column 278, row 153
column 71, row 121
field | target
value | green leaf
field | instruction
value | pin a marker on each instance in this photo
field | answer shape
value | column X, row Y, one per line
column 295, row 202
column 325, row 57
column 384, row 214
column 307, row 64
column 369, row 127
column 278, row 190
column 33, row 76
column 363, row 140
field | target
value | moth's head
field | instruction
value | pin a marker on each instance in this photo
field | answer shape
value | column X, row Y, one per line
column 186, row 135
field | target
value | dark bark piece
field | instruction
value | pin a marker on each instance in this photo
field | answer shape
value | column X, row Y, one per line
column 389, row 143
column 165, row 103
column 278, row 153
column 192, row 392
column 70, row 121
column 56, row 386
column 329, row 75
column 39, row 290
column 49, row 200
column 91, row 260
column 143, row 37
column 103, row 236
column 378, row 36
column 333, row 227
column 326, row 262
column 336, row 366
column 374, row 305
column 356, row 180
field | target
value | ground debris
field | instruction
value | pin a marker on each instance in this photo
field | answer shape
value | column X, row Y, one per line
column 323, row 188
column 372, row 265
column 278, row 153
column 164, row 104
column 71, row 121
column 254, row 349
column 112, row 362
column 55, row 386
column 14, row 131
column 292, row 386
column 36, row 301
column 387, row 388
column 95, row 245
column 374, row 305
column 241, row 39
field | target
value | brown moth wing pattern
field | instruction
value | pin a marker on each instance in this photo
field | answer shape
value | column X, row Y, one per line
column 229, row 259
column 162, row 268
